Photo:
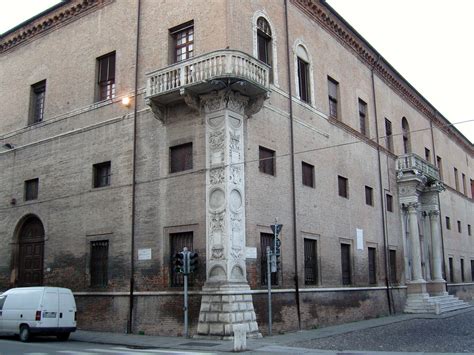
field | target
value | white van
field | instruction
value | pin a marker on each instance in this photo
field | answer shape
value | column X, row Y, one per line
column 27, row 311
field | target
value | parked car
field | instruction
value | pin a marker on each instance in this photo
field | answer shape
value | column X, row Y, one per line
column 28, row 311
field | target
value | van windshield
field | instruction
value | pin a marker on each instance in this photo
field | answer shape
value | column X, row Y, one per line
column 2, row 301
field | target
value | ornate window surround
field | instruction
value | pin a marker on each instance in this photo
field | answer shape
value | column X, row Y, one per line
column 302, row 44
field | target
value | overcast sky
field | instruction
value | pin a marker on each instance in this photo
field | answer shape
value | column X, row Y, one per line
column 429, row 42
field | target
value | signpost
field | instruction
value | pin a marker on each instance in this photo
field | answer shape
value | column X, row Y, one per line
column 272, row 266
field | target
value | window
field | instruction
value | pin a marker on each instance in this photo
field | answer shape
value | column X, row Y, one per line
column 392, row 256
column 472, row 270
column 346, row 264
column 456, row 179
column 333, row 88
column 102, row 174
column 406, row 136
column 459, row 227
column 388, row 135
column 99, row 263
column 181, row 157
column 343, row 186
column 31, row 189
column 183, row 41
column 177, row 242
column 472, row 189
column 464, row 187
column 427, row 155
column 38, row 95
column 369, row 196
column 266, row 158
column 363, row 118
column 264, row 41
column 451, row 269
column 448, row 223
column 462, row 270
column 389, row 201
column 106, row 77
column 266, row 239
column 308, row 174
column 469, row 230
column 310, row 262
column 303, row 75
column 372, row 267
column 439, row 164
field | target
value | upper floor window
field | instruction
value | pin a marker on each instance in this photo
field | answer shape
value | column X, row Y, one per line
column 264, row 41
column 106, row 77
column 464, row 187
column 456, row 179
column 333, row 88
column 343, row 186
column 406, row 136
column 389, row 202
column 369, row 196
column 439, row 164
column 363, row 117
column 388, row 135
column 38, row 94
column 31, row 189
column 303, row 66
column 266, row 159
column 99, row 261
column 182, row 41
column 101, row 174
column 427, row 155
column 307, row 174
column 181, row 157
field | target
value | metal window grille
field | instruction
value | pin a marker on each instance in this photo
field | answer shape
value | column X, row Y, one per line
column 266, row 239
column 39, row 95
column 303, row 79
column 177, row 242
column 181, row 157
column 266, row 161
column 346, row 264
column 363, row 117
column 106, row 77
column 102, row 174
column 307, row 174
column 372, row 266
column 342, row 185
column 31, row 189
column 369, row 196
column 392, row 256
column 332, row 92
column 310, row 262
column 99, row 263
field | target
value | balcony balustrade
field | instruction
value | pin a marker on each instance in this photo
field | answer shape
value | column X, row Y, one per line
column 414, row 163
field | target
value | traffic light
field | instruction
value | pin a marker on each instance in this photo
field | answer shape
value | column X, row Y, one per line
column 179, row 262
column 193, row 261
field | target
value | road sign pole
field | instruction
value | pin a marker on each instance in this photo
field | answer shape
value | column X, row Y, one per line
column 186, row 331
column 269, row 286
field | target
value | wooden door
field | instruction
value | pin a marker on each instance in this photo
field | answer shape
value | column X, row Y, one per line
column 31, row 253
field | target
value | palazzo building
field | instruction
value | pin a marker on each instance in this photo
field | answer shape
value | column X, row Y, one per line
column 131, row 129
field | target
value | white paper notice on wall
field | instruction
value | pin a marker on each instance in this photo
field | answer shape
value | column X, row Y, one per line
column 250, row 253
column 144, row 254
column 360, row 239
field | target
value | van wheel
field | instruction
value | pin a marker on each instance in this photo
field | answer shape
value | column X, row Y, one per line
column 25, row 334
column 63, row 336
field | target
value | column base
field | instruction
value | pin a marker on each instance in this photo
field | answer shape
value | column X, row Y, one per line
column 436, row 287
column 416, row 286
column 224, row 305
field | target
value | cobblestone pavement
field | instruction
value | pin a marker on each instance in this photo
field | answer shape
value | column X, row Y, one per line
column 447, row 335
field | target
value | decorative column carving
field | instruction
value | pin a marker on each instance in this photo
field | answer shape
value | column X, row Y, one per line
column 436, row 246
column 415, row 242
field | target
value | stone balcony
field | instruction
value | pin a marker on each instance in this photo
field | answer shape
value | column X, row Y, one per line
column 206, row 73
column 414, row 164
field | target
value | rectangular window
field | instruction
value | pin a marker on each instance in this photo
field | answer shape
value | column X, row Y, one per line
column 99, row 263
column 459, row 227
column 427, row 155
column 448, row 223
column 389, row 201
column 363, row 118
column 456, row 179
column 451, row 269
column 181, row 157
column 469, row 230
column 38, row 95
column 106, row 77
column 464, row 187
column 333, row 88
column 31, row 189
column 472, row 270
column 266, row 239
column 388, row 135
column 372, row 266
column 310, row 262
column 308, row 174
column 439, row 164
column 462, row 270
column 303, row 80
column 369, row 196
column 392, row 258
column 183, row 41
column 102, row 174
column 177, row 242
column 346, row 264
column 264, row 41
column 266, row 159
column 343, row 186
column 472, row 189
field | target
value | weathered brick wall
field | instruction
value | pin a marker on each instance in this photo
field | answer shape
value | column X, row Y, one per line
column 462, row 291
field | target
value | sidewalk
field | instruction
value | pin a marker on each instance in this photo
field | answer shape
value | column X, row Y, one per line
column 274, row 344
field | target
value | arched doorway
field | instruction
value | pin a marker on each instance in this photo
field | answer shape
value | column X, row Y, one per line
column 31, row 252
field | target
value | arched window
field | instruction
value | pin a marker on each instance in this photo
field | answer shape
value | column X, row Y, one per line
column 406, row 136
column 264, row 41
column 303, row 74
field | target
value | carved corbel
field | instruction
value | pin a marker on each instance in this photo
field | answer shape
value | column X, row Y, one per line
column 158, row 110
column 255, row 104
column 191, row 100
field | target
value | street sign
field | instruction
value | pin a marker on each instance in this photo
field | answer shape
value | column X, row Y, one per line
column 273, row 263
column 276, row 228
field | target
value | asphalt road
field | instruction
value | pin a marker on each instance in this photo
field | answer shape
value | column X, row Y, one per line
column 449, row 335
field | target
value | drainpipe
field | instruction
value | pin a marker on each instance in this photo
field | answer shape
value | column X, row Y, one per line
column 382, row 205
column 293, row 188
column 134, row 174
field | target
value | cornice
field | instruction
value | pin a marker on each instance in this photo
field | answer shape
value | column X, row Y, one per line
column 51, row 19
column 348, row 37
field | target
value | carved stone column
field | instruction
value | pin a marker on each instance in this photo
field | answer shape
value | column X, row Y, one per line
column 436, row 245
column 415, row 242
column 226, row 299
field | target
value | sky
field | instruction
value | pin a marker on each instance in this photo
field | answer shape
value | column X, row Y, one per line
column 429, row 42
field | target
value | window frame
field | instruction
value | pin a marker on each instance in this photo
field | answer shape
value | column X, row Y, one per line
column 369, row 196
column 389, row 202
column 346, row 276
column 372, row 272
column 106, row 87
column 263, row 261
column 392, row 258
column 181, row 157
column 307, row 180
column 301, row 55
column 311, row 279
column 99, row 179
column 363, row 117
column 333, row 100
column 342, row 179
column 177, row 279
column 37, row 102
column 267, row 164
column 187, row 29
column 388, row 135
column 448, row 223
column 99, row 278
column 31, row 189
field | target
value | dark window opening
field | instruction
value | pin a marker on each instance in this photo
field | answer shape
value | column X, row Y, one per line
column 472, row 270
column 369, row 196
column 181, row 157
column 106, row 77
column 38, row 95
column 389, row 201
column 303, row 80
column 343, row 186
column 406, row 136
column 464, row 187
column 308, row 174
column 456, row 179
column 346, row 264
column 177, row 242
column 469, row 230
column 451, row 269
column 99, row 263
column 264, row 41
column 31, row 189
column 393, row 266
column 102, row 174
column 266, row 158
column 363, row 118
column 462, row 271
column 310, row 262
column 266, row 240
column 427, row 155
column 372, row 266
column 333, row 97
column 459, row 227
column 448, row 223
column 388, row 135
column 439, row 164
column 183, row 41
